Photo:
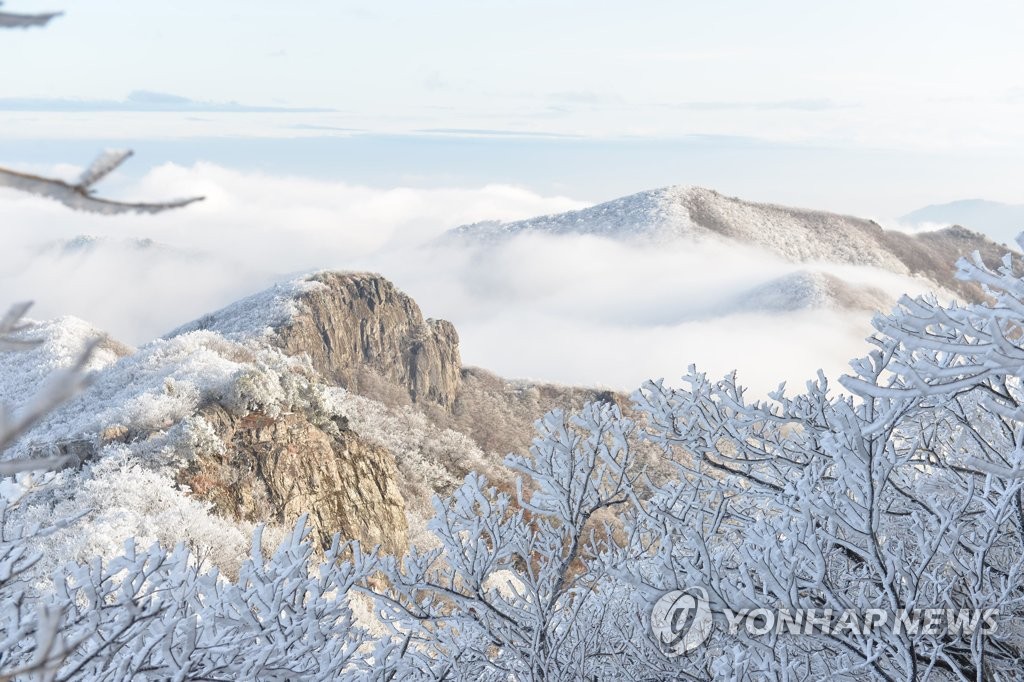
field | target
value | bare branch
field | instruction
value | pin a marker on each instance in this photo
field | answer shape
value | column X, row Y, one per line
column 11, row 20
column 79, row 196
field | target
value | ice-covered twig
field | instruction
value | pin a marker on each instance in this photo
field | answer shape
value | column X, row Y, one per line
column 80, row 196
column 12, row 20
column 60, row 386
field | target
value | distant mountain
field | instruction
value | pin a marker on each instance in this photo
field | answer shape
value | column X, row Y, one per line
column 804, row 290
column 1001, row 222
column 795, row 234
column 87, row 244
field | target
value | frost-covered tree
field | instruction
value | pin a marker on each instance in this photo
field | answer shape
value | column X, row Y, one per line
column 516, row 589
column 904, row 493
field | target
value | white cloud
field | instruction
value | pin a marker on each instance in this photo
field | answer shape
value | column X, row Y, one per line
column 587, row 310
column 251, row 229
column 569, row 309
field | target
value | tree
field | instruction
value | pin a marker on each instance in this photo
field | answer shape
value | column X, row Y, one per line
column 516, row 589
column 905, row 493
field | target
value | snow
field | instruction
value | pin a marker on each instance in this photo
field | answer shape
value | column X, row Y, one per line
column 653, row 214
column 150, row 401
column 807, row 290
column 257, row 315
column 697, row 213
column 149, row 391
column 62, row 342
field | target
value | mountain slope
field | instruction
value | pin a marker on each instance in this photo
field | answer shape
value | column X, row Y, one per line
column 224, row 434
column 795, row 234
column 241, row 418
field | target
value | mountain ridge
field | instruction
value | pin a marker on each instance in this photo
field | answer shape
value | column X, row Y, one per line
column 798, row 235
column 242, row 417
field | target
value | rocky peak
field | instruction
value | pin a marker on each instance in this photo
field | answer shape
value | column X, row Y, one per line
column 241, row 426
column 355, row 328
column 359, row 321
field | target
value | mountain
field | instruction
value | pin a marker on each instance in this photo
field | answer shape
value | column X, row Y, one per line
column 695, row 215
column 86, row 243
column 803, row 290
column 329, row 395
column 349, row 324
column 1001, row 222
column 332, row 394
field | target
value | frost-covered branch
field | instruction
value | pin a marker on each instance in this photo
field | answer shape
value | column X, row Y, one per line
column 60, row 386
column 80, row 195
column 12, row 20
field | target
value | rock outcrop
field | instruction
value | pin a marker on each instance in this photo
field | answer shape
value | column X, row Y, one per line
column 272, row 469
column 358, row 322
column 242, row 426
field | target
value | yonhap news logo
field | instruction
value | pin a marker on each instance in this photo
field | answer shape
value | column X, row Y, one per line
column 682, row 620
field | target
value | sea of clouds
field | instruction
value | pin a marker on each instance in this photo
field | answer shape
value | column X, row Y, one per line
column 581, row 310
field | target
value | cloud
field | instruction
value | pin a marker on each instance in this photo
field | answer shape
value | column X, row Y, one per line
column 141, row 101
column 252, row 230
column 588, row 310
column 579, row 309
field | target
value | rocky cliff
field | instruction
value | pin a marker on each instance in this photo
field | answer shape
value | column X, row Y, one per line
column 241, row 413
column 253, row 434
column 273, row 469
column 357, row 329
column 358, row 322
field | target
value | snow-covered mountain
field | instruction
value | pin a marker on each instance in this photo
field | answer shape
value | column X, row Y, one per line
column 329, row 394
column 696, row 214
column 804, row 290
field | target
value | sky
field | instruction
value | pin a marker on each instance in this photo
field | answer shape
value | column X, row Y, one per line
column 328, row 134
column 873, row 108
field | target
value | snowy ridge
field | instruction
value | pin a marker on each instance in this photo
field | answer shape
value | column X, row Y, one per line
column 135, row 426
column 149, row 394
column 688, row 212
column 61, row 342
column 254, row 316
column 660, row 213
column 806, row 290
column 685, row 216
column 798, row 235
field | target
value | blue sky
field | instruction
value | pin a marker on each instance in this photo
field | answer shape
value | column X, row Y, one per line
column 874, row 107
